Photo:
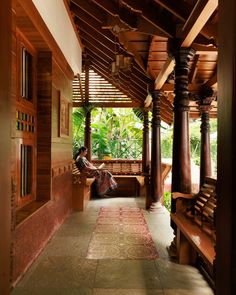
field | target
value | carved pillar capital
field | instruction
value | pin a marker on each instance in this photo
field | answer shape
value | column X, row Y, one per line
column 182, row 57
column 156, row 109
column 205, row 98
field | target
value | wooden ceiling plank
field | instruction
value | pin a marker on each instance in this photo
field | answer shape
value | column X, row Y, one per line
column 93, row 11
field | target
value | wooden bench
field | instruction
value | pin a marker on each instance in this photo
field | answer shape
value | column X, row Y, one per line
column 195, row 221
column 128, row 174
column 81, row 189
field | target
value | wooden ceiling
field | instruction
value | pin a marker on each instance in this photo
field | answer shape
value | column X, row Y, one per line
column 143, row 29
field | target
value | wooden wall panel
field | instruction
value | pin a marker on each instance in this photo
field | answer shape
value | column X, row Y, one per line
column 54, row 152
column 61, row 144
column 44, row 109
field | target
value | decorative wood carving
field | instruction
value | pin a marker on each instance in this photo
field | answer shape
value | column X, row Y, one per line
column 64, row 115
column 181, row 165
column 156, row 172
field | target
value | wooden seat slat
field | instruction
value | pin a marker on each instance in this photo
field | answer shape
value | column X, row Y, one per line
column 202, row 243
column 197, row 231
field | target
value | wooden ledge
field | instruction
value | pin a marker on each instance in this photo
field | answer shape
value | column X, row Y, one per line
column 28, row 210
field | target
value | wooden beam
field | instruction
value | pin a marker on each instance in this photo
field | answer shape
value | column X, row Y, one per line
column 212, row 81
column 150, row 13
column 200, row 15
column 181, row 11
column 196, row 21
column 164, row 73
column 193, row 71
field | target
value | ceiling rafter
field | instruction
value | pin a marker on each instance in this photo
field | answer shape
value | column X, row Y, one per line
column 126, row 90
column 85, row 17
column 200, row 15
column 93, row 11
column 134, row 85
column 150, row 13
column 102, row 52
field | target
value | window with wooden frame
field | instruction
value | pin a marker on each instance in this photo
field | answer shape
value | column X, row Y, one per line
column 25, row 123
column 26, row 74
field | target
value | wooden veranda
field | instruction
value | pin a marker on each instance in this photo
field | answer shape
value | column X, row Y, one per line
column 176, row 60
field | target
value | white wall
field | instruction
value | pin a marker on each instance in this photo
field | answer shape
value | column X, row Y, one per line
column 55, row 16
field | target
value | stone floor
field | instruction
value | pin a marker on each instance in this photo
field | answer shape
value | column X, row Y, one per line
column 63, row 269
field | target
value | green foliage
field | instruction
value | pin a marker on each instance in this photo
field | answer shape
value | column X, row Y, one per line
column 78, row 129
column 115, row 132
column 167, row 200
column 118, row 133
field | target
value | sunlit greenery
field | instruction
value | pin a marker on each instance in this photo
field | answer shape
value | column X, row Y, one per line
column 117, row 133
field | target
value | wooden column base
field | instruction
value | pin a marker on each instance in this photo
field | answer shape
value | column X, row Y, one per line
column 157, row 207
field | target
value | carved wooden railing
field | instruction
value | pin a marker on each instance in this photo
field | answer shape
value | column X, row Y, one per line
column 121, row 167
column 129, row 167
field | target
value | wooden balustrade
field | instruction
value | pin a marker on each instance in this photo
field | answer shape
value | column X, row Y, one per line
column 121, row 167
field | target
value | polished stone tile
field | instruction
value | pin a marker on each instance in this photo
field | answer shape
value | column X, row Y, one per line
column 75, row 230
column 53, row 291
column 127, row 292
column 68, row 246
column 61, row 272
column 62, row 269
column 199, row 291
column 128, row 274
column 181, row 277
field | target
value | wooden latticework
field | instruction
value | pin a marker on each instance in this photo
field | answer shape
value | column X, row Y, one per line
column 101, row 92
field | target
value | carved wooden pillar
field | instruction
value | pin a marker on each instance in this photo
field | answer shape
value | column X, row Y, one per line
column 205, row 156
column 145, row 151
column 155, row 178
column 181, row 165
column 87, row 131
column 87, row 135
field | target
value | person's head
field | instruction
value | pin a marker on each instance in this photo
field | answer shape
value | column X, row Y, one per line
column 82, row 151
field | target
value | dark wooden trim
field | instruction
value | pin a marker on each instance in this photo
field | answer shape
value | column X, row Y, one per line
column 5, row 146
column 226, row 173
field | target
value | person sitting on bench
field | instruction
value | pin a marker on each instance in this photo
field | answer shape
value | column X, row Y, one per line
column 104, row 179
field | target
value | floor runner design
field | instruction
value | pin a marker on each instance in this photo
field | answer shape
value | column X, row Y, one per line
column 121, row 233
